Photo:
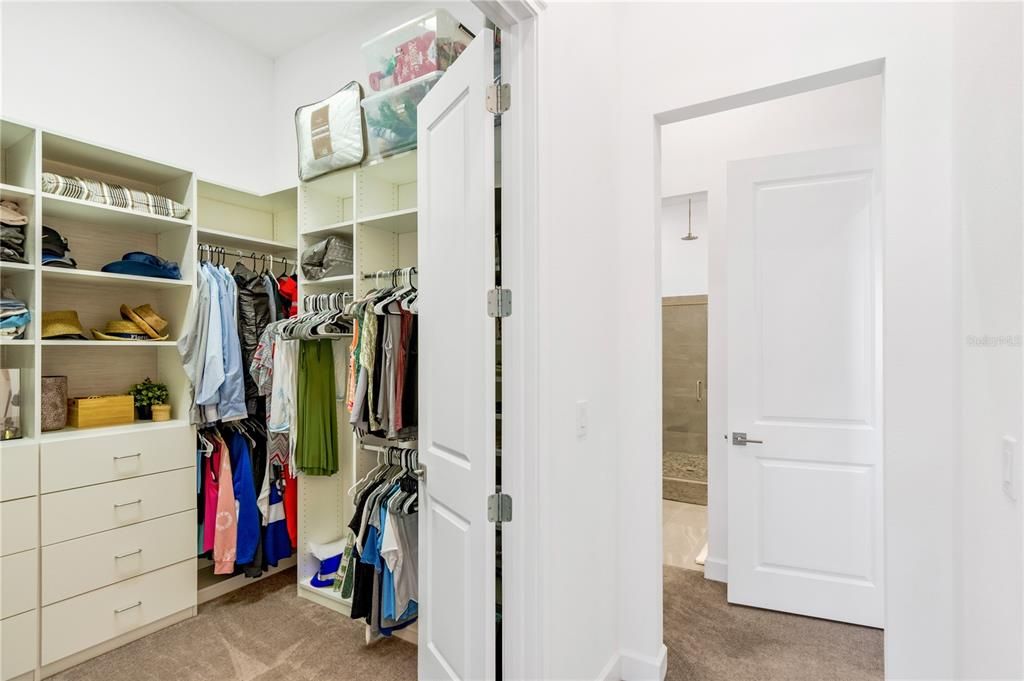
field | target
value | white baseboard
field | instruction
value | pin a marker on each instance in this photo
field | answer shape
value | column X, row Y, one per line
column 636, row 667
column 716, row 570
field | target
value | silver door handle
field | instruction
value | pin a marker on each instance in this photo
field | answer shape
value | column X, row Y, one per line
column 128, row 456
column 741, row 440
column 128, row 503
column 420, row 473
column 128, row 555
column 118, row 611
column 700, row 384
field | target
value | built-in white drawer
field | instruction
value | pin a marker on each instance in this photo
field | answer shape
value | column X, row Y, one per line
column 19, row 470
column 87, row 510
column 18, row 645
column 90, row 619
column 109, row 557
column 66, row 464
column 19, row 582
column 19, row 525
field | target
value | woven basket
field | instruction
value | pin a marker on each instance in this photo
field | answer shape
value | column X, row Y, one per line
column 54, row 403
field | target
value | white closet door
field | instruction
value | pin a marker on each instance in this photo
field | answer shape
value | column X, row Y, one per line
column 805, row 379
column 456, row 371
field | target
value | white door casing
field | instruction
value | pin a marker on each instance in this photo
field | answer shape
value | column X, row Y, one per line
column 805, row 377
column 457, row 371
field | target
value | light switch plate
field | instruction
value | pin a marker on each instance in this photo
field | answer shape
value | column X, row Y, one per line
column 1010, row 467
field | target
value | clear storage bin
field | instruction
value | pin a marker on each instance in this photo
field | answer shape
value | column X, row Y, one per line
column 415, row 49
column 391, row 116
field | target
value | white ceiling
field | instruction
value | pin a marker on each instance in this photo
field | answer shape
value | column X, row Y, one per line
column 276, row 28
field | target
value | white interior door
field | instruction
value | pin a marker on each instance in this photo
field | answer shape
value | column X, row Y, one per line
column 457, row 371
column 805, row 378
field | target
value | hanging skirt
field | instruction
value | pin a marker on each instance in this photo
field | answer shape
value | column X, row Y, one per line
column 316, row 443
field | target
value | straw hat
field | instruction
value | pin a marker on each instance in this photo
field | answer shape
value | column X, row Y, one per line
column 122, row 330
column 62, row 323
column 149, row 321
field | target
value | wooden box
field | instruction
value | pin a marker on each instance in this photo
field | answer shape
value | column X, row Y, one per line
column 105, row 410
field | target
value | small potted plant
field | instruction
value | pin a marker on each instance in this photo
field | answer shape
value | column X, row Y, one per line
column 147, row 394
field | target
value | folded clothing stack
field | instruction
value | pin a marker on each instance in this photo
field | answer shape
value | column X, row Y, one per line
column 56, row 251
column 14, row 315
column 12, row 232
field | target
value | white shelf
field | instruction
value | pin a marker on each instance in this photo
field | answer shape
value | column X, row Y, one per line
column 343, row 228
column 210, row 586
column 16, row 267
column 218, row 237
column 71, row 433
column 11, row 191
column 331, row 281
column 396, row 221
column 92, row 276
column 327, row 592
column 108, row 344
column 62, row 207
column 23, row 342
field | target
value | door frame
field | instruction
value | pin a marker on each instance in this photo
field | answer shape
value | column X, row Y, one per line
column 521, row 632
column 715, row 567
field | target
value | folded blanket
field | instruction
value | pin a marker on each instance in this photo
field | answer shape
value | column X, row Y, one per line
column 112, row 195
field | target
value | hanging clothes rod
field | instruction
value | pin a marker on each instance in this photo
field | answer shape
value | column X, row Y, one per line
column 390, row 273
column 409, row 444
column 258, row 257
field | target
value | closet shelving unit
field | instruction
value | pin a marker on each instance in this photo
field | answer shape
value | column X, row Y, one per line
column 374, row 206
column 97, row 234
column 53, row 500
column 246, row 223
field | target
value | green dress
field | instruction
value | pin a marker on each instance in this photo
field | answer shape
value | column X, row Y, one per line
column 316, row 443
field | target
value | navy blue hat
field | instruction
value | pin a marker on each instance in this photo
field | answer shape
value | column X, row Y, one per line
column 144, row 265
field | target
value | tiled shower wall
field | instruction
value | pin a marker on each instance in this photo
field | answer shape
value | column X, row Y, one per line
column 684, row 408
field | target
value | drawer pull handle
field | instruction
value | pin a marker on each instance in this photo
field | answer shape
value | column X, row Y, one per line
column 128, row 503
column 118, row 611
column 128, row 456
column 128, row 555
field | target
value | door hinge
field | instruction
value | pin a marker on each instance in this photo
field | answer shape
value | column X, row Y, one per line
column 499, row 302
column 499, row 508
column 499, row 97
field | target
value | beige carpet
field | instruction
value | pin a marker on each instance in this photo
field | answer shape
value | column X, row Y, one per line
column 264, row 632
column 710, row 640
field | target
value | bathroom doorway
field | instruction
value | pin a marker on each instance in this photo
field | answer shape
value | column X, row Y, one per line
column 684, row 316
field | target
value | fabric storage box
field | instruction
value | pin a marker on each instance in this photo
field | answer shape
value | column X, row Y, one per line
column 331, row 257
column 391, row 116
column 107, row 410
column 419, row 47
column 329, row 133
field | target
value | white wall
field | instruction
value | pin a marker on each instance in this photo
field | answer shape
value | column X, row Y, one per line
column 667, row 56
column 141, row 77
column 694, row 157
column 684, row 264
column 987, row 211
column 328, row 63
column 580, row 616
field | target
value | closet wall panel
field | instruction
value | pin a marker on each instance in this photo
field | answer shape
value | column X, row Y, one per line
column 88, row 374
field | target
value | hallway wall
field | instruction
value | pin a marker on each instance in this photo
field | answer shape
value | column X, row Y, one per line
column 669, row 56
